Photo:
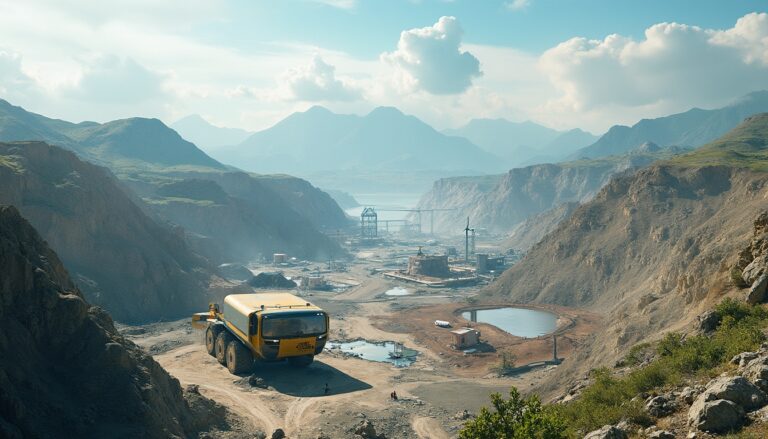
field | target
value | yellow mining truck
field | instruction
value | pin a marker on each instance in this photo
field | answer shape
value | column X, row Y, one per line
column 263, row 327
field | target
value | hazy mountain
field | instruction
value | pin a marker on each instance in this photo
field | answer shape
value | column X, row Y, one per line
column 521, row 143
column 124, row 261
column 384, row 139
column 692, row 128
column 206, row 135
column 149, row 158
column 137, row 142
column 501, row 202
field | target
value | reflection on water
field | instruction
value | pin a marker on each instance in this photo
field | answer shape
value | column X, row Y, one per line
column 517, row 321
column 380, row 352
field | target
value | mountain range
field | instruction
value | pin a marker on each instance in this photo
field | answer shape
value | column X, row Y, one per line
column 162, row 213
column 383, row 140
column 523, row 143
column 692, row 128
column 206, row 135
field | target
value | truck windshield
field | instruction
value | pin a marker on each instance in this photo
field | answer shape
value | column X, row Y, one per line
column 293, row 325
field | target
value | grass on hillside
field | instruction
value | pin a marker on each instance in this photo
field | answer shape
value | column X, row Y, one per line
column 610, row 399
column 11, row 163
column 746, row 146
column 679, row 360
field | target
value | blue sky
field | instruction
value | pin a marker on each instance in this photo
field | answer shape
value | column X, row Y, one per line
column 565, row 64
column 535, row 27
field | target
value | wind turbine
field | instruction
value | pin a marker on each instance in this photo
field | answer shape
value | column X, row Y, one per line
column 466, row 241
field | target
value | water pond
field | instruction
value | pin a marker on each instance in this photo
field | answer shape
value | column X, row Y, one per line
column 397, row 291
column 380, row 352
column 521, row 322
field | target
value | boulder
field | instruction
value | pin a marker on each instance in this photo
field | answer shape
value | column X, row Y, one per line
column 278, row 434
column 715, row 416
column 661, row 434
column 743, row 358
column 708, row 321
column 366, row 430
column 607, row 432
column 737, row 390
column 689, row 394
column 756, row 293
column 754, row 270
column 660, row 406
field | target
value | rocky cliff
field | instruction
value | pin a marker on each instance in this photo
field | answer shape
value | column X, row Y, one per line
column 124, row 261
column 500, row 203
column 236, row 217
column 652, row 250
column 64, row 369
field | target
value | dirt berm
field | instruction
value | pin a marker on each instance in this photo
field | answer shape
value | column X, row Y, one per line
column 64, row 370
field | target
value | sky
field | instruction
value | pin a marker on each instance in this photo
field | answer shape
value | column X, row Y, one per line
column 566, row 64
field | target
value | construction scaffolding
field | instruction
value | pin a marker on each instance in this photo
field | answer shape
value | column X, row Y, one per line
column 369, row 224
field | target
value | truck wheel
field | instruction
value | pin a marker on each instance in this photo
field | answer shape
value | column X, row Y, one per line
column 210, row 338
column 302, row 361
column 222, row 340
column 239, row 358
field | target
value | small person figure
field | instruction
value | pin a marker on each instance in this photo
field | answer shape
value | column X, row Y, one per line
column 394, row 395
column 326, row 388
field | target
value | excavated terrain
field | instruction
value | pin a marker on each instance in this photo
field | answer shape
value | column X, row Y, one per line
column 125, row 262
column 650, row 253
column 64, row 369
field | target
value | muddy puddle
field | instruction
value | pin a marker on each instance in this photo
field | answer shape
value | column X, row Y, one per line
column 383, row 352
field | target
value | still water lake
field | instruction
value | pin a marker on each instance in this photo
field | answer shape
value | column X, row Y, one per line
column 521, row 322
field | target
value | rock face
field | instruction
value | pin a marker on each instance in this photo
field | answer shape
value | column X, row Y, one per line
column 257, row 214
column 123, row 260
column 722, row 405
column 499, row 203
column 64, row 369
column 674, row 230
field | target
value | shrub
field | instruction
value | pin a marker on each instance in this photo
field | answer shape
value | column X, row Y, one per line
column 609, row 399
column 515, row 418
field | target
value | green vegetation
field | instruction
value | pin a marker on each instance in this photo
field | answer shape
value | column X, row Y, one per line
column 613, row 160
column 610, row 399
column 746, row 146
column 11, row 163
column 515, row 418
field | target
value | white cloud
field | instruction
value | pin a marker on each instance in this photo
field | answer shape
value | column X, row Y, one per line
column 317, row 82
column 675, row 65
column 11, row 74
column 517, row 5
column 431, row 59
column 111, row 79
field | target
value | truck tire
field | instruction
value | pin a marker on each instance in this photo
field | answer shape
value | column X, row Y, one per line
column 210, row 338
column 302, row 361
column 239, row 358
column 222, row 340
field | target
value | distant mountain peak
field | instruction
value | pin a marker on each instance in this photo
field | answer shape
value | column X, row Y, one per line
column 385, row 111
column 648, row 147
column 317, row 109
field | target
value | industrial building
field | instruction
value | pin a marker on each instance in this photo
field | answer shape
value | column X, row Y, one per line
column 464, row 338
